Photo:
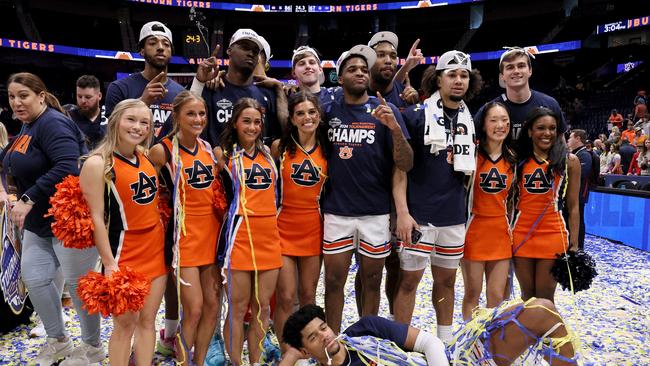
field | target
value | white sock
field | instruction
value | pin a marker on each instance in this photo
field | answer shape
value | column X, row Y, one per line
column 171, row 326
column 445, row 333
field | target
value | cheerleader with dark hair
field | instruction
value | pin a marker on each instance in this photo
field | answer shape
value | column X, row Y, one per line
column 303, row 168
column 548, row 178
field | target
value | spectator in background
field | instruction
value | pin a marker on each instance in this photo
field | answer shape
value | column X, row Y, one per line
column 634, row 168
column 578, row 148
column 626, row 150
column 643, row 158
column 615, row 135
column 605, row 157
column 629, row 133
column 616, row 119
column 88, row 114
column 640, row 98
column 638, row 135
column 614, row 160
column 602, row 137
column 640, row 111
column 599, row 146
column 644, row 125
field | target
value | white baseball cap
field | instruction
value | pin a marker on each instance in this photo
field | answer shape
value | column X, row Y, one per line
column 301, row 51
column 266, row 47
column 304, row 50
column 359, row 50
column 452, row 60
column 155, row 28
column 384, row 36
column 246, row 34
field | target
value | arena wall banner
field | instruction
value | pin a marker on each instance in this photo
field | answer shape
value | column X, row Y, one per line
column 179, row 60
column 215, row 5
column 619, row 216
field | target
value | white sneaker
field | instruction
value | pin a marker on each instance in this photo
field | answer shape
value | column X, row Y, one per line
column 84, row 355
column 38, row 330
column 52, row 351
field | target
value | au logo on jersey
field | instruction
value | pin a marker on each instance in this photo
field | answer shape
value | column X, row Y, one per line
column 538, row 182
column 144, row 190
column 493, row 181
column 199, row 176
column 258, row 177
column 345, row 152
column 305, row 173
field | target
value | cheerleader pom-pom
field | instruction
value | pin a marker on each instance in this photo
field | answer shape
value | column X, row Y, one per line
column 129, row 289
column 219, row 200
column 582, row 267
column 94, row 292
column 72, row 222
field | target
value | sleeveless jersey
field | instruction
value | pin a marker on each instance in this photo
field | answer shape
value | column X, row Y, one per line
column 199, row 171
column 132, row 200
column 259, row 188
column 537, row 188
column 492, row 183
column 302, row 178
column 539, row 230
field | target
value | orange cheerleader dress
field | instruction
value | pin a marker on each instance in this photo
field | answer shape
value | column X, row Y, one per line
column 539, row 230
column 300, row 223
column 135, row 231
column 488, row 234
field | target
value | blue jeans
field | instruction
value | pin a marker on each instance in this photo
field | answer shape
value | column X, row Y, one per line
column 42, row 260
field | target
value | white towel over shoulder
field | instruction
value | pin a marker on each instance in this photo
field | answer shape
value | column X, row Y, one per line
column 464, row 156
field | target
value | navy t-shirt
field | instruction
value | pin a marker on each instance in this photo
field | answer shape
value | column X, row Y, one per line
column 46, row 151
column 393, row 96
column 361, row 161
column 328, row 95
column 519, row 111
column 376, row 327
column 435, row 193
column 220, row 106
column 94, row 131
column 132, row 87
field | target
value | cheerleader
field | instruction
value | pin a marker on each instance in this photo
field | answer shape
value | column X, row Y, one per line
column 548, row 177
column 182, row 151
column 488, row 242
column 249, row 249
column 303, row 169
column 120, row 184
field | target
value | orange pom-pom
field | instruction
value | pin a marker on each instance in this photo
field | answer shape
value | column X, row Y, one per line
column 219, row 198
column 94, row 292
column 125, row 290
column 129, row 289
column 72, row 222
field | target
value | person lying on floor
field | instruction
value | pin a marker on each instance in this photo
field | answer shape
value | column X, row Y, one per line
column 377, row 341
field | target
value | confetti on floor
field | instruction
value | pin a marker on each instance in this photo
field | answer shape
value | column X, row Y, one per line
column 612, row 318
